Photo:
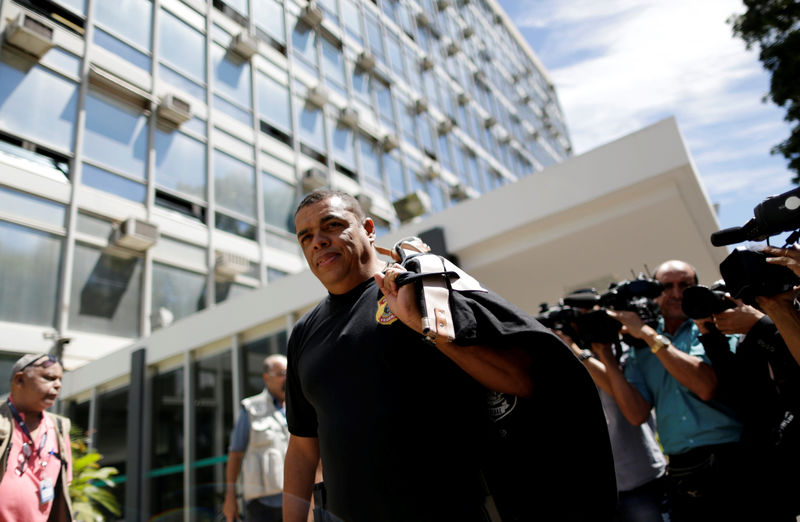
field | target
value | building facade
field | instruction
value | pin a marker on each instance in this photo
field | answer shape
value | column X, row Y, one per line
column 152, row 151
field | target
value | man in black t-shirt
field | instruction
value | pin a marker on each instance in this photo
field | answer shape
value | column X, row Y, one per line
column 397, row 421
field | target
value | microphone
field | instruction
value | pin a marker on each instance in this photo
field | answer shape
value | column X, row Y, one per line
column 729, row 236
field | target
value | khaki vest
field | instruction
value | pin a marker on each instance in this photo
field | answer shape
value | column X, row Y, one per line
column 262, row 465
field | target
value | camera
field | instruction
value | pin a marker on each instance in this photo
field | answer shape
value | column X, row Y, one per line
column 636, row 296
column 747, row 275
column 772, row 216
column 701, row 301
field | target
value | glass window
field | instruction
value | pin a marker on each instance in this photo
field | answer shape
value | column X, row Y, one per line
column 106, row 293
column 360, row 85
column 182, row 47
column 116, row 135
column 180, row 81
column 180, row 291
column 29, row 265
column 304, row 42
column 21, row 204
column 330, row 8
column 343, row 148
column 111, row 439
column 254, row 354
column 273, row 102
column 53, row 165
column 269, row 17
column 231, row 79
column 76, row 5
column 333, row 66
column 113, row 184
column 374, row 36
column 180, row 163
column 408, row 124
column 370, row 163
column 167, row 440
column 238, row 5
column 273, row 274
column 279, row 202
column 234, row 184
column 225, row 290
column 213, row 395
column 395, row 52
column 352, row 19
column 60, row 59
column 394, row 173
column 130, row 19
column 383, row 98
column 40, row 104
column 310, row 126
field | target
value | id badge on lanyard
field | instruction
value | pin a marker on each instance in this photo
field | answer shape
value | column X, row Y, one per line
column 46, row 491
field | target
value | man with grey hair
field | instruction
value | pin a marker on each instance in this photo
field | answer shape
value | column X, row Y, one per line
column 35, row 454
column 258, row 447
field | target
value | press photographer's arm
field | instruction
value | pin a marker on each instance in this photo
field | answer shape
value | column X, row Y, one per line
column 780, row 308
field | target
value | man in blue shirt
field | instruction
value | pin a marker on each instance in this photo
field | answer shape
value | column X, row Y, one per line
column 258, row 447
column 675, row 376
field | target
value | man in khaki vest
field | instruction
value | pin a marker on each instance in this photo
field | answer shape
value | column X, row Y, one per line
column 258, row 447
column 35, row 455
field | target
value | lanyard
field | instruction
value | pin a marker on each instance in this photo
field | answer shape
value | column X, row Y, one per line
column 25, row 429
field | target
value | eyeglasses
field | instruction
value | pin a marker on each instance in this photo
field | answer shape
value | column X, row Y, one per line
column 23, row 457
column 281, row 373
column 51, row 360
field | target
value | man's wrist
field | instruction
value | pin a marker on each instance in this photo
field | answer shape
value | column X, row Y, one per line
column 658, row 343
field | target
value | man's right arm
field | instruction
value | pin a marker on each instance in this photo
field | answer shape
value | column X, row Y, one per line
column 631, row 403
column 230, row 507
column 299, row 471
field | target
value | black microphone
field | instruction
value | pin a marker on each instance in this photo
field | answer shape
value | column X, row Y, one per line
column 728, row 236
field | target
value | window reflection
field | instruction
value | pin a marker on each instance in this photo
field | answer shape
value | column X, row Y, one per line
column 167, row 440
column 111, row 438
column 279, row 202
column 105, row 293
column 181, row 163
column 213, row 400
column 38, row 104
column 273, row 102
column 116, row 135
column 179, row 291
column 29, row 266
column 234, row 184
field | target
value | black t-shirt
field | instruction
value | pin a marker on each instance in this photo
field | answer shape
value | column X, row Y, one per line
column 399, row 424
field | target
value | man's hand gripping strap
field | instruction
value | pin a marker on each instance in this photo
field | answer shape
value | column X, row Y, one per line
column 435, row 277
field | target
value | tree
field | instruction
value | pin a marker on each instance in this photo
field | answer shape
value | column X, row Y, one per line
column 88, row 490
column 775, row 26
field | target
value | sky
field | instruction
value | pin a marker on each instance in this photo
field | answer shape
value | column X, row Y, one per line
column 621, row 65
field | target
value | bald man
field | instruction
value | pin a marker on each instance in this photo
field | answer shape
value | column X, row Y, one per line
column 675, row 376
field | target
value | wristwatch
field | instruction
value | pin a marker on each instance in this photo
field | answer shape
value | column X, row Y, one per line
column 585, row 355
column 661, row 342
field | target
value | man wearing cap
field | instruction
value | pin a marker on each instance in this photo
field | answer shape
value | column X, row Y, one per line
column 35, row 454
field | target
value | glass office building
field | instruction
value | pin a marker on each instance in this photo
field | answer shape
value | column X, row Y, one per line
column 152, row 153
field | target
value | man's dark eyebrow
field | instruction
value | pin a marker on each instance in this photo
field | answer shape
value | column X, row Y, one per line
column 325, row 219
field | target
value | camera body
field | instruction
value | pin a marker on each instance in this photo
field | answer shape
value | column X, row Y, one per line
column 636, row 296
column 701, row 301
column 747, row 275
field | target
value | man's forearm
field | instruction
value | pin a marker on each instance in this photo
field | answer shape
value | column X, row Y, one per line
column 631, row 403
column 687, row 369
column 300, row 467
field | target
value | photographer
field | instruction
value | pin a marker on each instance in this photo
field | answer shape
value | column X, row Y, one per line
column 639, row 462
column 780, row 307
column 675, row 376
column 761, row 381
